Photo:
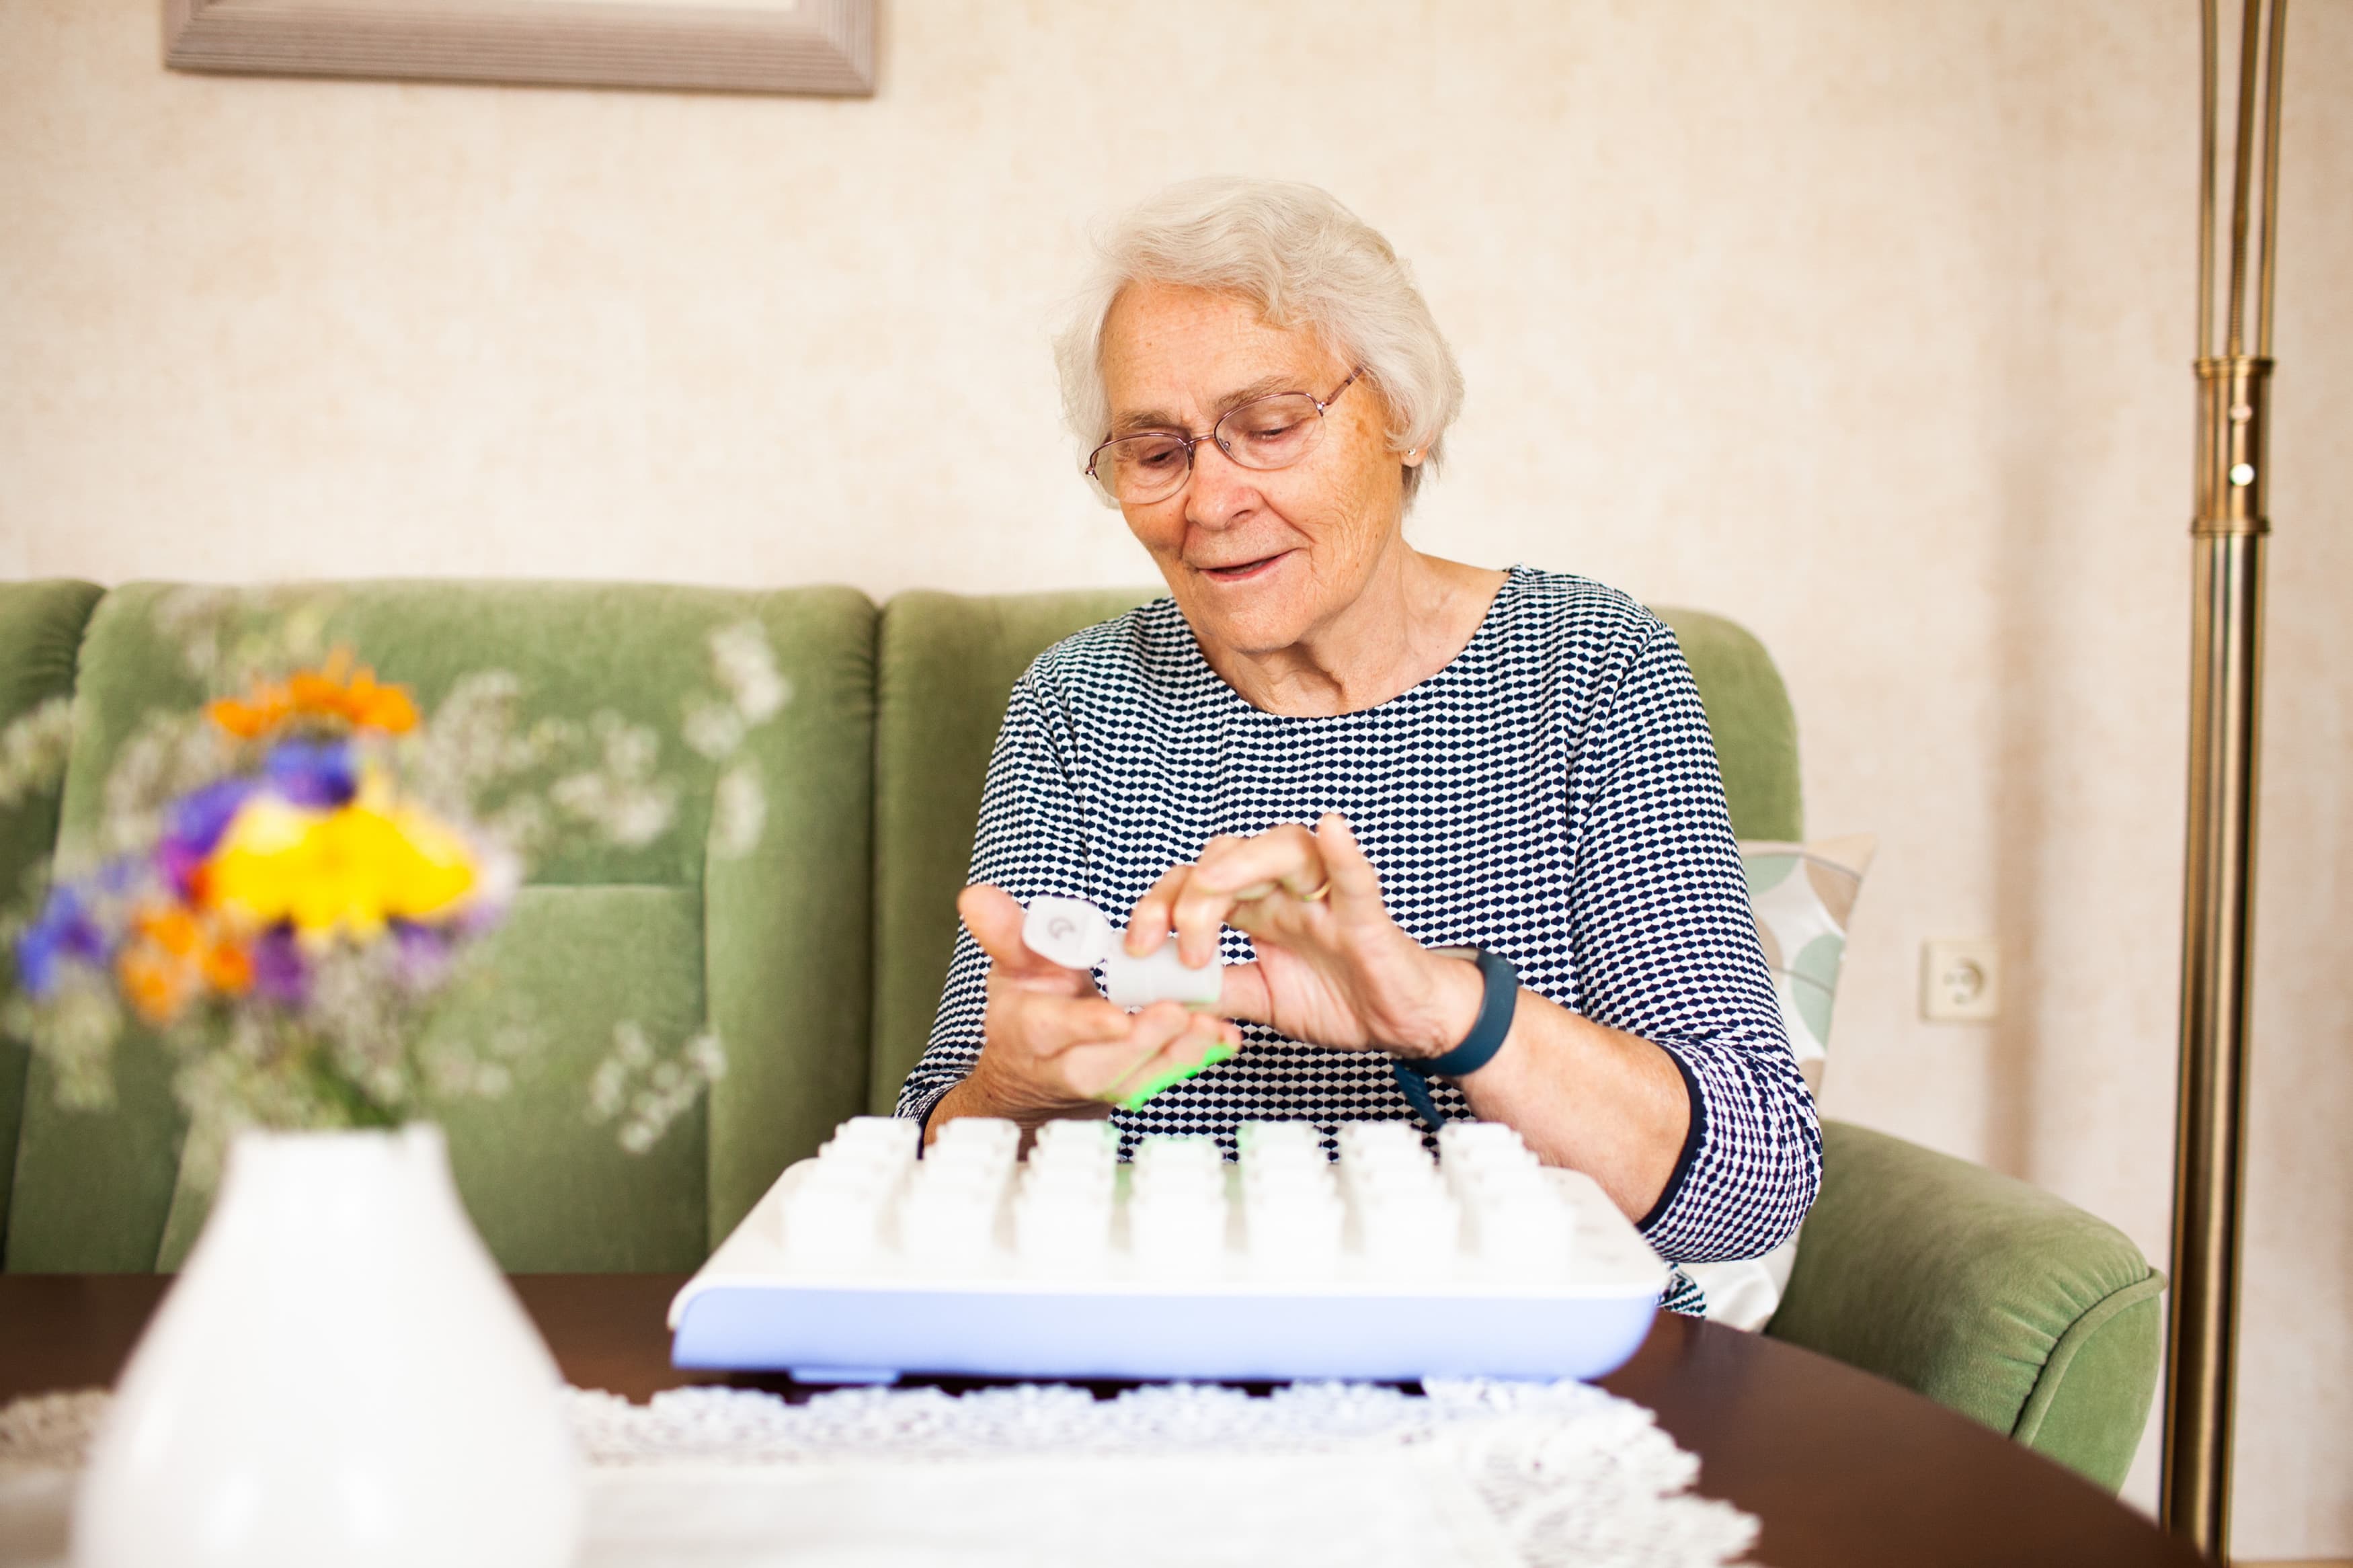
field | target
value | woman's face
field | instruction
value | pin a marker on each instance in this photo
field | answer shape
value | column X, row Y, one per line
column 1258, row 559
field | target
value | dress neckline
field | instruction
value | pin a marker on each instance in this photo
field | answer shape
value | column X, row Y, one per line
column 1459, row 668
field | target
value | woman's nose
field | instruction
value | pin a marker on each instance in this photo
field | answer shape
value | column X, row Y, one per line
column 1220, row 489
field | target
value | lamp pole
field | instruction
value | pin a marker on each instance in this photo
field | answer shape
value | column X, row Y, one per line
column 2225, row 708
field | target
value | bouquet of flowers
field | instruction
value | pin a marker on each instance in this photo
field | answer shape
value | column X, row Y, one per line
column 290, row 878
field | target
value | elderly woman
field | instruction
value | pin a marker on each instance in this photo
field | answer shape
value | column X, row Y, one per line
column 1328, row 756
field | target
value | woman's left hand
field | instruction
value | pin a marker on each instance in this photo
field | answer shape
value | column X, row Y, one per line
column 1331, row 969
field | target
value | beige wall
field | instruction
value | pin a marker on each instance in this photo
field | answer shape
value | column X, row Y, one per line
column 1864, row 323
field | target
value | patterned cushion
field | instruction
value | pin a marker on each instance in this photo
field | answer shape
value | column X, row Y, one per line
column 1802, row 895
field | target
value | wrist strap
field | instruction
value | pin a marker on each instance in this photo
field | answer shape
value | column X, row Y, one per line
column 1499, row 1000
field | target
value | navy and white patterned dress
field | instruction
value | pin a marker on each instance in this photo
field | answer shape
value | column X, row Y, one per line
column 1551, row 794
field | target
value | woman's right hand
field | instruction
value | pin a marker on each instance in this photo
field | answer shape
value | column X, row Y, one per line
column 1051, row 1046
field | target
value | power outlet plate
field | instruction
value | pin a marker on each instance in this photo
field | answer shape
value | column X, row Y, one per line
column 1960, row 981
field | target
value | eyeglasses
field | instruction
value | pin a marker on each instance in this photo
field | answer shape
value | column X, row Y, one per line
column 1264, row 433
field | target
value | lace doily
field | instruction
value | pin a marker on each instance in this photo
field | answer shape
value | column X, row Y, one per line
column 1473, row 1472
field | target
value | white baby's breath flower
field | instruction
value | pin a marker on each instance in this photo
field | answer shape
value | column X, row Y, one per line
column 74, row 1030
column 707, row 1057
column 305, row 632
column 521, row 824
column 746, row 667
column 230, row 636
column 651, row 1088
column 641, row 817
column 712, row 729
column 607, row 1088
column 248, row 1043
column 621, row 798
column 32, row 750
column 167, row 756
column 630, row 750
column 462, row 1067
column 739, row 812
column 497, row 875
column 199, row 620
column 472, row 742
column 628, row 813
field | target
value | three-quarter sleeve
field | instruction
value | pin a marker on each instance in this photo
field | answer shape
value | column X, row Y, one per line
column 1666, row 948
column 1030, row 840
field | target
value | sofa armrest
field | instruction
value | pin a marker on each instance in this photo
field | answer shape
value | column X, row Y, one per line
column 1988, row 1295
column 40, row 638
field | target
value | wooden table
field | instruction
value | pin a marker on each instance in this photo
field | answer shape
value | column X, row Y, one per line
column 1841, row 1467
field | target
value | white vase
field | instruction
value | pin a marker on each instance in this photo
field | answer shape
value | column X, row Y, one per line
column 340, row 1376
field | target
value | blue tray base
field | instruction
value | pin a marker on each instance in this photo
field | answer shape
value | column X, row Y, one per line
column 866, row 1335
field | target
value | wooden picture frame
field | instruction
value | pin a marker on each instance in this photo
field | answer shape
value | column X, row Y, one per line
column 748, row 45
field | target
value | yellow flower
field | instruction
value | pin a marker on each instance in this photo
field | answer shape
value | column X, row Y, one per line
column 346, row 870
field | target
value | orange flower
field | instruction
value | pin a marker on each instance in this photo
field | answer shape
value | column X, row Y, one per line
column 335, row 690
column 157, row 984
column 168, row 927
column 227, row 968
column 173, row 955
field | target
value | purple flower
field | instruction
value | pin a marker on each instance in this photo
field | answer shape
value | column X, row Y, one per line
column 65, row 933
column 177, row 863
column 313, row 772
column 421, row 954
column 199, row 817
column 193, row 827
column 279, row 972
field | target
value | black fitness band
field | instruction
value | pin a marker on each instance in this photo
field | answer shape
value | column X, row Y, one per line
column 1499, row 1000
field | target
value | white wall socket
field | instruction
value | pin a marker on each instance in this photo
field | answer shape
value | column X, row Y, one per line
column 1960, row 981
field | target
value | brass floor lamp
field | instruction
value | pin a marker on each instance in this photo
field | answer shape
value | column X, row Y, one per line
column 2225, row 706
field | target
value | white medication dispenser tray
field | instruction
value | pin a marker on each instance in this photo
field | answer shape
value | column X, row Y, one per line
column 1385, row 1265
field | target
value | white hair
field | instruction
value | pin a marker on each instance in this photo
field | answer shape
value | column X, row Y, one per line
column 1301, row 260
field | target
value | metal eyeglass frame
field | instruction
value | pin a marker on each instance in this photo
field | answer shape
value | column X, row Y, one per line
column 1322, row 406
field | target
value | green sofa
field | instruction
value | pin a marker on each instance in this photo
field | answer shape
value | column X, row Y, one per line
column 819, row 958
